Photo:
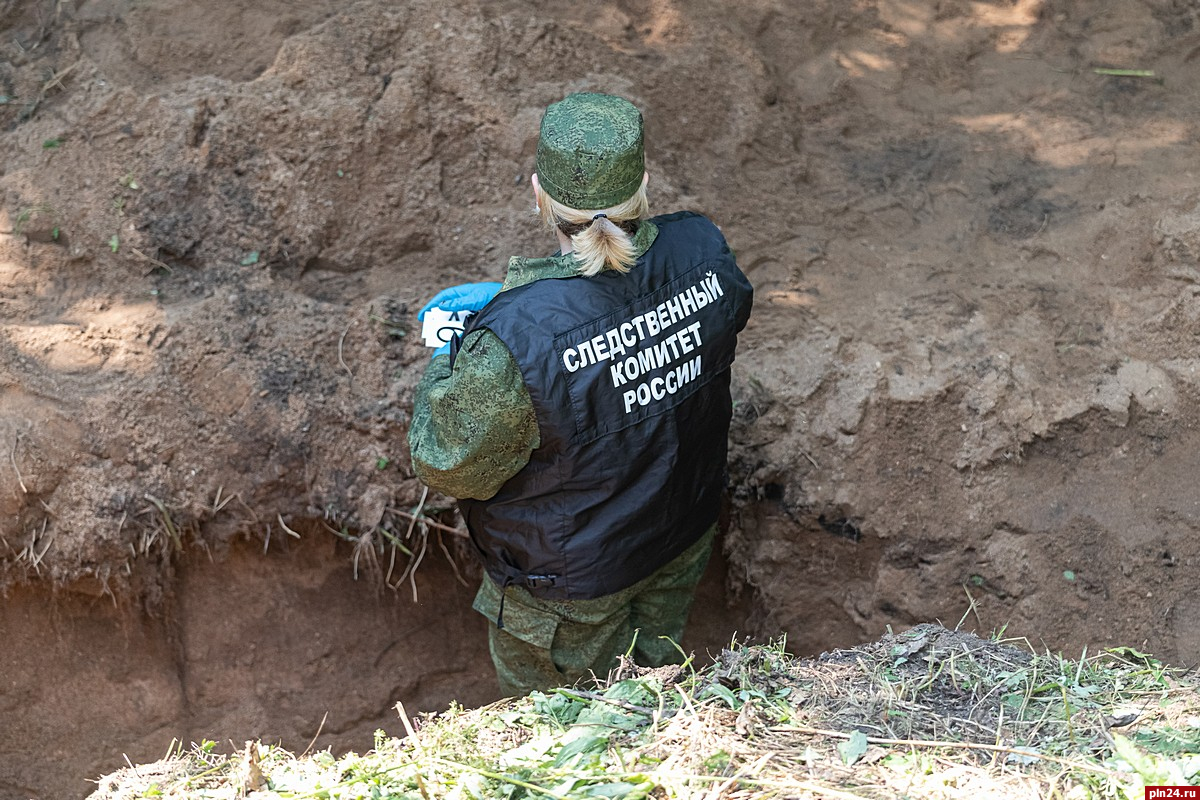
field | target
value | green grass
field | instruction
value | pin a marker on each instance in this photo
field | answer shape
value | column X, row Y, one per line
column 929, row 713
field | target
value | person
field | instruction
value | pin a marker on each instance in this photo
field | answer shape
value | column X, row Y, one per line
column 582, row 417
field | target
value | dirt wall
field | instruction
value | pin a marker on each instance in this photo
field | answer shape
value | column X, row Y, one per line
column 283, row 647
column 968, row 390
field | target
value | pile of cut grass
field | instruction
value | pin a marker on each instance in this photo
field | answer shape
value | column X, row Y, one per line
column 929, row 713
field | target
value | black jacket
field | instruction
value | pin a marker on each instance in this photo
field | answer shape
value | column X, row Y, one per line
column 629, row 378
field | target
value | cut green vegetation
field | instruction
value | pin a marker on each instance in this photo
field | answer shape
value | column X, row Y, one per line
column 1125, row 73
column 929, row 713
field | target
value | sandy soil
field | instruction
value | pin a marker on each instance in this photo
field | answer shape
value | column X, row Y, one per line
column 968, row 392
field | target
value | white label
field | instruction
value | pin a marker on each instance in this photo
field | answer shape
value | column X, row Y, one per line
column 439, row 326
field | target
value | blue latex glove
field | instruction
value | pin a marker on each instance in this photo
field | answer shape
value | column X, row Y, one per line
column 444, row 350
column 465, row 297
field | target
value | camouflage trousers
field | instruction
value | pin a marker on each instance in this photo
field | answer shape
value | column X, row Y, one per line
column 548, row 643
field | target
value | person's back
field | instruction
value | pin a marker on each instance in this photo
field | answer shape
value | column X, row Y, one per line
column 592, row 480
column 633, row 408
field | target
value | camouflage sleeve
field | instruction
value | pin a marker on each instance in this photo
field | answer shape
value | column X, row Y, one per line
column 473, row 426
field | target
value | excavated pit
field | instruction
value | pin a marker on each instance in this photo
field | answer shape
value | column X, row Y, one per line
column 969, row 391
column 286, row 647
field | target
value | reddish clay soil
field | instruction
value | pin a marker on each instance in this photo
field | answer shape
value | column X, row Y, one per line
column 969, row 391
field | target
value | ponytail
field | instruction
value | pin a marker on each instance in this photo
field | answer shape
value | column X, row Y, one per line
column 600, row 240
column 602, row 245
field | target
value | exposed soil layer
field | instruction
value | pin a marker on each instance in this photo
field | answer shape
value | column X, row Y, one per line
column 286, row 647
column 969, row 391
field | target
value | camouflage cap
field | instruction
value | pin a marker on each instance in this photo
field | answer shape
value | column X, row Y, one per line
column 590, row 153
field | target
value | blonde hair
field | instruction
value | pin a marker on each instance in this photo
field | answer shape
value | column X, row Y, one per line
column 599, row 242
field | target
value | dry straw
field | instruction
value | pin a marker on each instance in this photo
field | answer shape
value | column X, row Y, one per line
column 930, row 713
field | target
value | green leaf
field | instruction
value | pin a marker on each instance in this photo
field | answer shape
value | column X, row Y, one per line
column 853, row 749
column 251, row 258
column 382, row 462
column 618, row 790
column 581, row 744
column 608, row 717
column 1168, row 741
column 633, row 691
column 50, row 144
column 557, row 708
column 721, row 691
column 1142, row 763
column 1069, row 574
column 114, row 243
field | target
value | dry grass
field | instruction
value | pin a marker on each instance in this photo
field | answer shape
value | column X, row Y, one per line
column 929, row 713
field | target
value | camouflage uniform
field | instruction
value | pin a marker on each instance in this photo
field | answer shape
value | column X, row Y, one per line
column 547, row 643
column 473, row 428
